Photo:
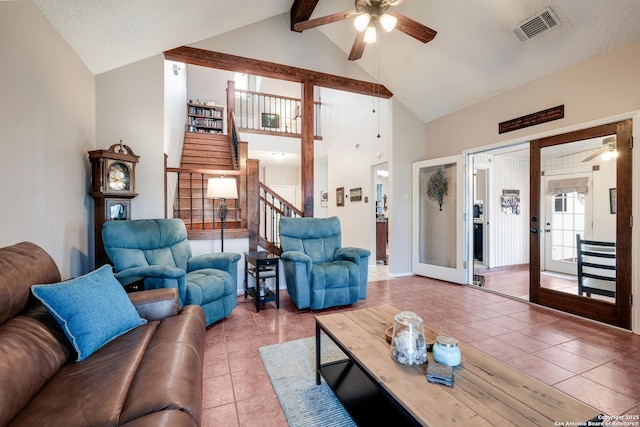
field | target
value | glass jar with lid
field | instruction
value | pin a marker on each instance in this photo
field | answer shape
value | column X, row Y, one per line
column 407, row 342
column 446, row 351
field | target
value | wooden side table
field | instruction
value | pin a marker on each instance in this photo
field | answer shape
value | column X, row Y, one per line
column 261, row 265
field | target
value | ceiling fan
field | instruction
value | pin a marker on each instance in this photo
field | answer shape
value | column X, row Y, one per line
column 608, row 150
column 368, row 13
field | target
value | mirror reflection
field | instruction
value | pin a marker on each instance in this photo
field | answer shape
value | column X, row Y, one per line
column 578, row 218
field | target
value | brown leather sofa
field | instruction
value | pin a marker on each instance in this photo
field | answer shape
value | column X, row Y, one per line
column 150, row 376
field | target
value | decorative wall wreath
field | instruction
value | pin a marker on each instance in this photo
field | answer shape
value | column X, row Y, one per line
column 437, row 186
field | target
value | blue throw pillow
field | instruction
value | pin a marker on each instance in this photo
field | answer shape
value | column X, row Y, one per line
column 92, row 309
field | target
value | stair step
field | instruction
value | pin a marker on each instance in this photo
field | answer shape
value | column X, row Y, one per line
column 202, row 151
column 205, row 136
column 211, row 158
column 205, row 150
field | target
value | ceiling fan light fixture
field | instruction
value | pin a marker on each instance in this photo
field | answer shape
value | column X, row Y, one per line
column 388, row 22
column 609, row 155
column 362, row 21
column 370, row 34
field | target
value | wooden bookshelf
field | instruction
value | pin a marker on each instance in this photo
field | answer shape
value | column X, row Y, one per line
column 203, row 118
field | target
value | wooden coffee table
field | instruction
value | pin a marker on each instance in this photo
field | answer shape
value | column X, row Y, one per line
column 375, row 389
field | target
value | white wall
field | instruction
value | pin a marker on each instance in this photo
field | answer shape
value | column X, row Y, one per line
column 175, row 112
column 207, row 84
column 508, row 233
column 604, row 222
column 408, row 131
column 353, row 124
column 47, row 126
column 130, row 107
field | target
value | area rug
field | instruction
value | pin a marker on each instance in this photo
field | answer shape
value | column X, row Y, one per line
column 291, row 369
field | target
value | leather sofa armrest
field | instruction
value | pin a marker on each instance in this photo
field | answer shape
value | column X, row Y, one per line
column 156, row 304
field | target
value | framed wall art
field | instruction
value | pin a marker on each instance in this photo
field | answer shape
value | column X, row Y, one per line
column 355, row 195
column 340, row 196
column 324, row 198
column 510, row 202
column 270, row 120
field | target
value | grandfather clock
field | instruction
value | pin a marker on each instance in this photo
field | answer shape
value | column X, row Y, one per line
column 113, row 177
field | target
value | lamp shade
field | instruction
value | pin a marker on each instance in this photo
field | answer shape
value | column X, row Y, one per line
column 388, row 22
column 222, row 188
column 362, row 21
column 370, row 34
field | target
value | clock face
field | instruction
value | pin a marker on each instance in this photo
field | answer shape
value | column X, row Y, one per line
column 118, row 177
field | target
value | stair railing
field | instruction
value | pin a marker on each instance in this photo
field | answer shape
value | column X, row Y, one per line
column 264, row 206
column 235, row 138
column 191, row 203
column 272, row 208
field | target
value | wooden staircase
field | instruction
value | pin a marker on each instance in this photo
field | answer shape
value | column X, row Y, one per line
column 203, row 152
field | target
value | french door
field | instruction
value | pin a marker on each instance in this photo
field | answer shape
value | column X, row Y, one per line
column 438, row 219
column 610, row 203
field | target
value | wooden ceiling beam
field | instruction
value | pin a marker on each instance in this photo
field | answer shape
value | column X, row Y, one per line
column 239, row 64
column 301, row 10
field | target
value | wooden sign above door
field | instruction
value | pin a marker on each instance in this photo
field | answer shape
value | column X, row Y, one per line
column 533, row 119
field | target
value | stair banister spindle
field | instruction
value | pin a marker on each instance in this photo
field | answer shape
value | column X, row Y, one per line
column 202, row 197
column 264, row 214
column 178, row 186
column 191, row 200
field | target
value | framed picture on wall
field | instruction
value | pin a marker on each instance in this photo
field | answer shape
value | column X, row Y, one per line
column 270, row 120
column 324, row 198
column 355, row 195
column 340, row 196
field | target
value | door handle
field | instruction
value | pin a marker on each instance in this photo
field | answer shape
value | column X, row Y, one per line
column 547, row 230
column 533, row 230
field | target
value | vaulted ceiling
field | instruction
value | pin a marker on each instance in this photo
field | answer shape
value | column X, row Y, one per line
column 473, row 57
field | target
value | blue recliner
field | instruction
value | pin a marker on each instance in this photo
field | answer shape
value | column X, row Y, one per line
column 157, row 250
column 319, row 272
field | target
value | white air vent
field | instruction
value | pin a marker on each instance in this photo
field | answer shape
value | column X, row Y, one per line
column 537, row 25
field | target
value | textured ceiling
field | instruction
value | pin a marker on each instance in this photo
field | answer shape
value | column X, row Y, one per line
column 473, row 57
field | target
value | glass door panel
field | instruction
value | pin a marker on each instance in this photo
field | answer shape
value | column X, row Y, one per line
column 437, row 219
column 573, row 193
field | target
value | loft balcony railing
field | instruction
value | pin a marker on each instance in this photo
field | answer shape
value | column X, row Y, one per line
column 271, row 114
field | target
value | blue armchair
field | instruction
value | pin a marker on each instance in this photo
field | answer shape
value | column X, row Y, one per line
column 157, row 250
column 319, row 272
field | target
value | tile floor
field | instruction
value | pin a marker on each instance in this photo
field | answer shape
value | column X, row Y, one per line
column 595, row 363
column 515, row 282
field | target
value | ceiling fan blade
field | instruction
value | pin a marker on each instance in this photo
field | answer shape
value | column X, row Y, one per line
column 594, row 155
column 312, row 23
column 358, row 47
column 413, row 28
column 395, row 2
